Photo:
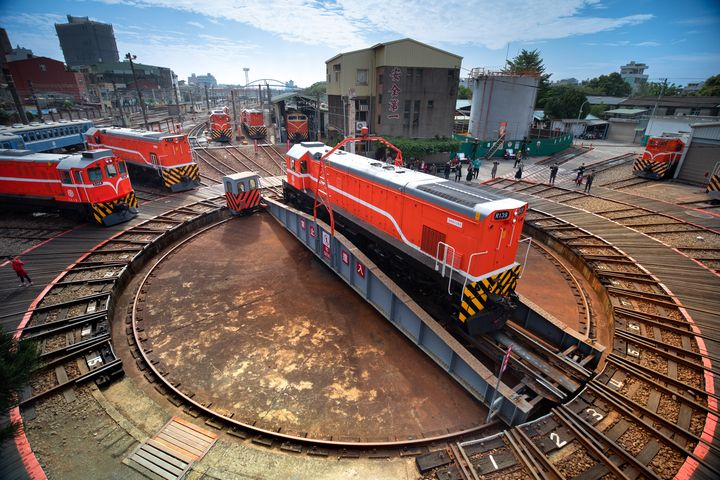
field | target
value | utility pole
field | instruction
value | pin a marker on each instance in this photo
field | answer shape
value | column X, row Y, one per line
column 317, row 115
column 662, row 90
column 35, row 99
column 260, row 96
column 207, row 98
column 137, row 87
column 232, row 100
column 13, row 91
column 176, row 87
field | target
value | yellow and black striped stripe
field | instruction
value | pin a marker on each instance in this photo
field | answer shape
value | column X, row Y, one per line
column 256, row 131
column 648, row 168
column 174, row 176
column 101, row 210
column 714, row 185
column 221, row 134
column 476, row 295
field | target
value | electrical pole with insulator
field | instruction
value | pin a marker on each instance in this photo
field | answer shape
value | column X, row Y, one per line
column 137, row 88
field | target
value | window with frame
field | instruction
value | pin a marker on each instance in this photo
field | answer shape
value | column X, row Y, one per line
column 122, row 167
column 253, row 184
column 362, row 76
column 110, row 170
column 409, row 72
column 380, row 80
column 416, row 113
column 66, row 177
column 43, row 68
column 95, row 174
column 431, row 104
column 78, row 176
column 241, row 187
column 694, row 111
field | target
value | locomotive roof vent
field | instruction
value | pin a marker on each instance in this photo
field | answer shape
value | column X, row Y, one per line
column 388, row 167
column 317, row 155
column 375, row 164
column 95, row 154
column 312, row 144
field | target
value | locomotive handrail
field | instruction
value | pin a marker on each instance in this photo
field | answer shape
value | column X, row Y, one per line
column 462, row 292
column 502, row 230
column 452, row 265
column 512, row 232
column 527, row 251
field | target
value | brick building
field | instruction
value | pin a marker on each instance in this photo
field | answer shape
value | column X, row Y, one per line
column 48, row 77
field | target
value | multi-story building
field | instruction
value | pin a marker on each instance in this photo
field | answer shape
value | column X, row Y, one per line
column 633, row 74
column 402, row 88
column 85, row 42
column 202, row 80
column 49, row 78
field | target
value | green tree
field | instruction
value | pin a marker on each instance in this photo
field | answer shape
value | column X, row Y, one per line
column 612, row 85
column 315, row 89
column 564, row 101
column 17, row 362
column 653, row 89
column 711, row 87
column 464, row 93
column 531, row 63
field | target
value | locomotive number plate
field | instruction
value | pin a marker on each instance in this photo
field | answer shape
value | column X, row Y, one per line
column 502, row 215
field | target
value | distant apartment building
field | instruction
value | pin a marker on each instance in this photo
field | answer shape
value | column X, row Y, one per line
column 202, row 80
column 567, row 81
column 402, row 88
column 85, row 42
column 19, row 53
column 633, row 74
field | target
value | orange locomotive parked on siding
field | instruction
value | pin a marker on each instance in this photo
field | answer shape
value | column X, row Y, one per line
column 296, row 124
column 167, row 155
column 94, row 184
column 464, row 236
column 253, row 123
column 220, row 128
column 660, row 158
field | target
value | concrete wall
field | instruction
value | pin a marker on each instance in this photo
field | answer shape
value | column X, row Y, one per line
column 498, row 99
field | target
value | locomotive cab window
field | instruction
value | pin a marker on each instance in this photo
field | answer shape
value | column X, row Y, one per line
column 122, row 167
column 65, row 175
column 78, row 176
column 253, row 184
column 241, row 187
column 110, row 170
column 95, row 174
column 303, row 166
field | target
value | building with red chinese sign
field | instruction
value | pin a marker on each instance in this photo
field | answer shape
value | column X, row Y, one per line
column 400, row 88
column 48, row 77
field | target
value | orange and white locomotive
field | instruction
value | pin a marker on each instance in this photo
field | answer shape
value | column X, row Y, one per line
column 460, row 236
column 296, row 124
column 94, row 183
column 660, row 158
column 253, row 123
column 220, row 128
column 167, row 155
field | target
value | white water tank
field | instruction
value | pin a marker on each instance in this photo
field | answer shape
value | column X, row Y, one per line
column 502, row 98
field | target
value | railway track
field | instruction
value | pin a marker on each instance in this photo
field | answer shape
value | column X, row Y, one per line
column 71, row 321
column 644, row 415
column 694, row 240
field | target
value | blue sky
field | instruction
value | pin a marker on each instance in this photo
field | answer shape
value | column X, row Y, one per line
column 291, row 39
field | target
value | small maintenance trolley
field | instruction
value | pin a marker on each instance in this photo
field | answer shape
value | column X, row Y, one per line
column 242, row 191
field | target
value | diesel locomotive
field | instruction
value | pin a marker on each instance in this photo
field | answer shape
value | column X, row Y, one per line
column 168, row 156
column 93, row 184
column 253, row 123
column 220, row 128
column 453, row 242
column 660, row 158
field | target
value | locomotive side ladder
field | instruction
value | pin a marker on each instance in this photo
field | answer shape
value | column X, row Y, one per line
column 322, row 192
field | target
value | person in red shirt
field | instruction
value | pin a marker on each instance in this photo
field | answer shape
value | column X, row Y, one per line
column 17, row 265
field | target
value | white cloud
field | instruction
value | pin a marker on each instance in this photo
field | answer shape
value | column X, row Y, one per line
column 196, row 24
column 622, row 43
column 647, row 44
column 349, row 24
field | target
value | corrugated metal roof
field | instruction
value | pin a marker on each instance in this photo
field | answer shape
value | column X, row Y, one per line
column 627, row 111
column 604, row 100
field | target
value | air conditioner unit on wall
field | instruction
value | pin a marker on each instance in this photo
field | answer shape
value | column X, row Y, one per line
column 359, row 125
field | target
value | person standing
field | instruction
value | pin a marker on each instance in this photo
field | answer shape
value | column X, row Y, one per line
column 553, row 173
column 458, row 172
column 476, row 167
column 469, row 176
column 589, row 181
column 17, row 265
column 493, row 172
column 579, row 177
column 518, row 174
column 447, row 171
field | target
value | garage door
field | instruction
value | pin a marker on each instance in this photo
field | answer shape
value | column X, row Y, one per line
column 621, row 132
column 699, row 162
